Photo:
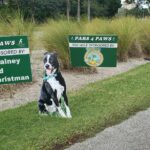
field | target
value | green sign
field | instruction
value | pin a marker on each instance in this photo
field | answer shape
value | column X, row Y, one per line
column 14, row 60
column 93, row 50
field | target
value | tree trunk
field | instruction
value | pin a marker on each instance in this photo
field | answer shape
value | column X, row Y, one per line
column 2, row 2
column 89, row 10
column 78, row 11
column 68, row 10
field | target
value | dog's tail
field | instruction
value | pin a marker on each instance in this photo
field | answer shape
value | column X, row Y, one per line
column 147, row 59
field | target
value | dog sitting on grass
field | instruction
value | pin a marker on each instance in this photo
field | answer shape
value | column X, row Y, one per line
column 53, row 91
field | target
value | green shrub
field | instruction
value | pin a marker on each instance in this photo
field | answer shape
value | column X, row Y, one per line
column 55, row 38
column 133, row 35
column 126, row 30
column 97, row 26
column 16, row 25
column 138, row 12
column 144, row 39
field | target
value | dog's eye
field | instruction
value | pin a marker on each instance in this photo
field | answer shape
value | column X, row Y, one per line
column 50, row 61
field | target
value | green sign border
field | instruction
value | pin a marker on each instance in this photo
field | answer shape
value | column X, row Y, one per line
column 107, row 45
column 15, row 66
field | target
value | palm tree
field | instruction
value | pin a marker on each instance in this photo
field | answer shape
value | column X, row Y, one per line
column 78, row 11
column 89, row 10
column 68, row 10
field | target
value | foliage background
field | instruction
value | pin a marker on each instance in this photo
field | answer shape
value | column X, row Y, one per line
column 40, row 10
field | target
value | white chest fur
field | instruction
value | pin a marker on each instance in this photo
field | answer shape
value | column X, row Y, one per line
column 56, row 86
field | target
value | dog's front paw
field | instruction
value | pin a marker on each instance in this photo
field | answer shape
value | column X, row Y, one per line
column 51, row 109
column 68, row 112
column 61, row 112
column 69, row 116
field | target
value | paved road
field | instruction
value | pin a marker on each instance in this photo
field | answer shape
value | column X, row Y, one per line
column 132, row 134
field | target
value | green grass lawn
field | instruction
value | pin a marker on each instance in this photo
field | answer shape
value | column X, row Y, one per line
column 94, row 107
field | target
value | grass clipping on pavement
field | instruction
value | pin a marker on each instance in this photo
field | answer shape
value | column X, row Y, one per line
column 94, row 107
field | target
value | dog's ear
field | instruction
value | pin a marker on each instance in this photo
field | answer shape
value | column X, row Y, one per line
column 55, row 53
column 46, row 53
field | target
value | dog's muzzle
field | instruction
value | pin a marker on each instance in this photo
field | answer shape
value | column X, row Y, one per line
column 49, row 69
column 47, row 66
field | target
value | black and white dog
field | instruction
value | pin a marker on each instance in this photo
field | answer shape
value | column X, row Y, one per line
column 53, row 88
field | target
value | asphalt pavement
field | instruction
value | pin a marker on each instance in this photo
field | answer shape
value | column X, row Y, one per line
column 132, row 134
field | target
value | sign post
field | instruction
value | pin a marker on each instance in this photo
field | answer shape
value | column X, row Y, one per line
column 93, row 50
column 14, row 60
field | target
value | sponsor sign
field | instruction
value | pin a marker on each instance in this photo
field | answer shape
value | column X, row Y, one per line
column 93, row 50
column 14, row 60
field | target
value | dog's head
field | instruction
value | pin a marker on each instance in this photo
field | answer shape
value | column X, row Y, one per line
column 51, row 64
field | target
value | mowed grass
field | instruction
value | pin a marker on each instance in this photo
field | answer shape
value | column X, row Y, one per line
column 94, row 107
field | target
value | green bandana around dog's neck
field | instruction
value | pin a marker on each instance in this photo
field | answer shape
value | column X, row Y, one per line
column 47, row 77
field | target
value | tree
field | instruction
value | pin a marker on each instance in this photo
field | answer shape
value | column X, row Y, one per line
column 129, row 1
column 109, row 8
column 101, row 8
column 2, row 2
column 68, row 10
column 78, row 11
column 112, row 7
column 40, row 10
column 89, row 10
